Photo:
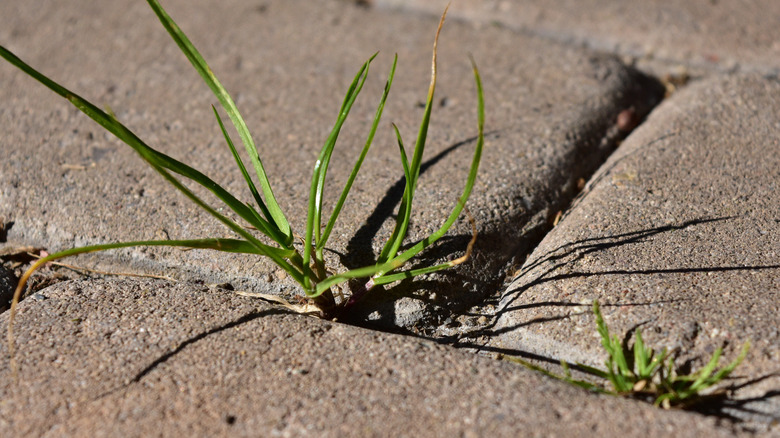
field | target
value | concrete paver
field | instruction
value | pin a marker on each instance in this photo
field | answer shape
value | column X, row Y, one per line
column 138, row 358
column 664, row 36
column 677, row 235
column 552, row 114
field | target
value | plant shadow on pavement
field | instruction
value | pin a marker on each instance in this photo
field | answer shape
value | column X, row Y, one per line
column 162, row 358
column 568, row 253
column 449, row 296
column 731, row 409
column 565, row 255
column 359, row 250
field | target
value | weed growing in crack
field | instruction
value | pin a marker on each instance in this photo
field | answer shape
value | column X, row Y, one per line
column 304, row 263
column 641, row 372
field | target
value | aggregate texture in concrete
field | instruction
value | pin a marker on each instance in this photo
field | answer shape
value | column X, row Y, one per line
column 678, row 235
column 551, row 120
column 148, row 358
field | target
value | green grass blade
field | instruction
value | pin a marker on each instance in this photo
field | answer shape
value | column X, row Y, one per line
column 363, row 272
column 422, row 134
column 601, row 327
column 705, row 372
column 157, row 159
column 314, row 215
column 380, row 269
column 224, row 98
column 399, row 232
column 266, row 227
column 593, row 370
column 397, row 276
column 620, row 358
column 323, row 162
column 472, row 177
column 642, row 358
column 705, row 377
column 390, row 278
column 405, row 209
column 565, row 378
column 278, row 255
column 226, row 245
column 618, row 372
column 401, row 225
column 581, row 383
column 726, row 371
column 533, row 367
column 340, row 203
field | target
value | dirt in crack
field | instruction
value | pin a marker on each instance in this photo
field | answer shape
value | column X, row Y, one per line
column 459, row 306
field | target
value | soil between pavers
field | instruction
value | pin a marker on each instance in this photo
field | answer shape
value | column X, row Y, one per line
column 142, row 357
column 678, row 234
column 551, row 112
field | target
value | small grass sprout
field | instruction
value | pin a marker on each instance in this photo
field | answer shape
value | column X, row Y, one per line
column 274, row 237
column 641, row 372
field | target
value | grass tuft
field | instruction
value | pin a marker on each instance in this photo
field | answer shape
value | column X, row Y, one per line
column 274, row 236
column 641, row 372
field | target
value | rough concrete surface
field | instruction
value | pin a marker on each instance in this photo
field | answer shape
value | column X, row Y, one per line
column 679, row 235
column 676, row 234
column 146, row 358
column 552, row 112
column 665, row 36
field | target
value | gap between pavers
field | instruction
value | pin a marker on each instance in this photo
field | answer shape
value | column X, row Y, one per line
column 679, row 235
column 551, row 113
column 141, row 357
column 694, row 37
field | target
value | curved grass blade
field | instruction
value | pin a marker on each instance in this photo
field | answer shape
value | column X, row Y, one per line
column 405, row 209
column 226, row 245
column 197, row 61
column 472, row 177
column 642, row 357
column 364, row 272
column 592, row 370
column 278, row 255
column 705, row 373
column 728, row 369
column 340, row 203
column 380, row 269
column 399, row 233
column 314, row 215
column 157, row 159
column 404, row 159
column 565, row 378
column 422, row 134
column 386, row 279
column 267, row 228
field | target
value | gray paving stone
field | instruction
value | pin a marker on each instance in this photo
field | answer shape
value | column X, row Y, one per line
column 667, row 36
column 551, row 109
column 139, row 357
column 678, row 234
